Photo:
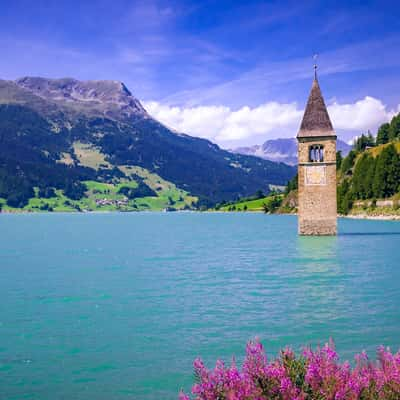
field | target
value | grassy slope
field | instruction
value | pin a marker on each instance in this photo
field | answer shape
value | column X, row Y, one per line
column 168, row 195
column 378, row 149
column 89, row 156
column 252, row 205
column 375, row 151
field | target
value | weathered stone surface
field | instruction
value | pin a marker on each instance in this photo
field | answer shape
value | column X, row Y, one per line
column 317, row 211
column 317, row 203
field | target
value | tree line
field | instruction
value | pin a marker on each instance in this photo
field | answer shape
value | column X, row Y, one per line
column 389, row 131
column 365, row 175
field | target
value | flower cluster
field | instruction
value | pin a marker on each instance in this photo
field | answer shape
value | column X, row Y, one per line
column 314, row 375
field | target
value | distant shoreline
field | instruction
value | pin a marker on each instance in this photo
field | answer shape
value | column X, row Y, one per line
column 382, row 217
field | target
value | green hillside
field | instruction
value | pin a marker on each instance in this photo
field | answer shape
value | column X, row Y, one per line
column 258, row 203
column 369, row 177
column 144, row 191
column 370, row 173
column 52, row 148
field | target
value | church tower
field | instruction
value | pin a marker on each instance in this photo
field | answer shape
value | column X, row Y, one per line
column 317, row 213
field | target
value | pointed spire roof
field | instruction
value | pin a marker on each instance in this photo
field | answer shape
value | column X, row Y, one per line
column 316, row 121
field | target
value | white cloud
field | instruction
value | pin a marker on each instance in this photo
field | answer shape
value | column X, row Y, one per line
column 261, row 121
column 201, row 121
column 222, row 125
column 362, row 115
column 228, row 127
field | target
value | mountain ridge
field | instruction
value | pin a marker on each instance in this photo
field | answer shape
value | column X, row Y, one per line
column 44, row 122
column 282, row 150
column 87, row 94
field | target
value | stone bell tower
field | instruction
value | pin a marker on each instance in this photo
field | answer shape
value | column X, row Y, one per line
column 317, row 213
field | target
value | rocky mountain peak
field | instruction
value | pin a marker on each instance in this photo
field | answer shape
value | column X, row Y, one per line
column 109, row 98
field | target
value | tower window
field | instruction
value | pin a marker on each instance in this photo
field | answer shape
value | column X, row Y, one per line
column 316, row 153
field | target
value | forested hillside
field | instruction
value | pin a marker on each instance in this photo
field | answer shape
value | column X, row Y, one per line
column 371, row 171
column 60, row 136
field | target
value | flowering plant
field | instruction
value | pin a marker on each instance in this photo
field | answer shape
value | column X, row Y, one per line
column 314, row 375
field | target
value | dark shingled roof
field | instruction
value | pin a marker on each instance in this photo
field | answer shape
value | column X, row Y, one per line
column 316, row 120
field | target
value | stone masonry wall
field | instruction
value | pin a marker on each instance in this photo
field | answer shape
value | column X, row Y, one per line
column 317, row 212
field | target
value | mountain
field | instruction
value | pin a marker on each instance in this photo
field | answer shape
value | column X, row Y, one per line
column 282, row 150
column 110, row 99
column 61, row 135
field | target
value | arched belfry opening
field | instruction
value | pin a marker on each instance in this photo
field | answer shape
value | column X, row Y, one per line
column 317, row 213
column 316, row 153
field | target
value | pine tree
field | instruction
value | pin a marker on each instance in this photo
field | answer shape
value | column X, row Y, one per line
column 339, row 159
column 364, row 141
column 370, row 139
column 387, row 173
column 292, row 184
column 344, row 197
column 348, row 162
column 357, row 177
column 377, row 184
column 393, row 170
column 394, row 128
column 363, row 176
column 369, row 178
column 383, row 134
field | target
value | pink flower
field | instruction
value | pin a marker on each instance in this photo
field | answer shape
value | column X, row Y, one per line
column 316, row 375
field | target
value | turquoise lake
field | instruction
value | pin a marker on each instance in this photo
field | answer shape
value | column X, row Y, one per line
column 117, row 306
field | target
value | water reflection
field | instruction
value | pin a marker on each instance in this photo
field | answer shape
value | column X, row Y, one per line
column 318, row 253
column 320, row 277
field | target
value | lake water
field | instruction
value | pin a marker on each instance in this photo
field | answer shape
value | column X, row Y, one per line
column 117, row 306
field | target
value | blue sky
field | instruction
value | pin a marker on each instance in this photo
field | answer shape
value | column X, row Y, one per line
column 237, row 72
